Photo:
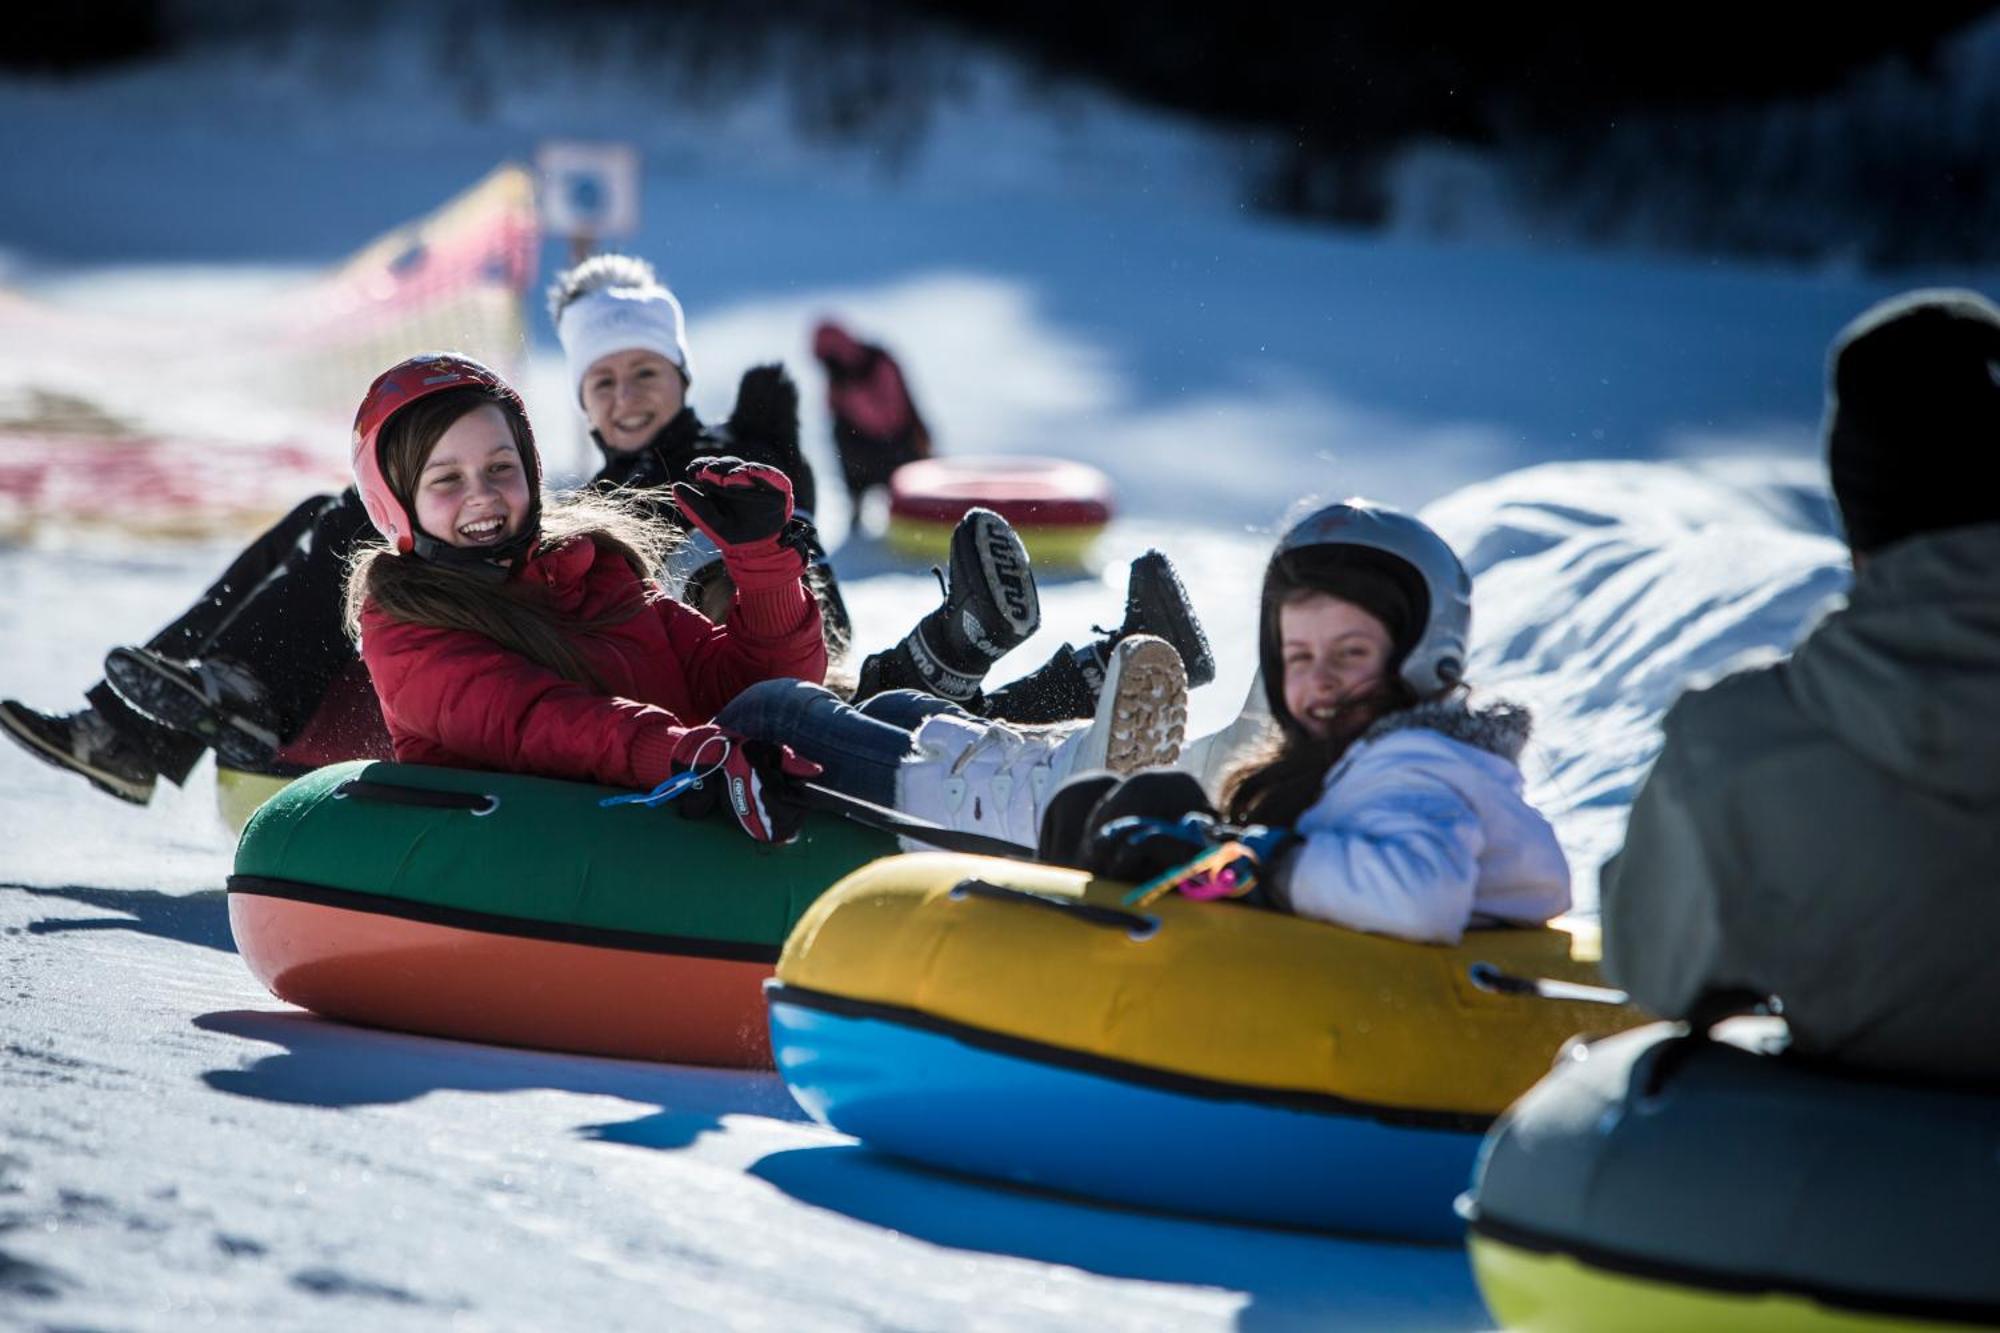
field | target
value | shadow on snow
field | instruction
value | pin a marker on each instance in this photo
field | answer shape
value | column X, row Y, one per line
column 1293, row 1278
column 193, row 918
column 334, row 1065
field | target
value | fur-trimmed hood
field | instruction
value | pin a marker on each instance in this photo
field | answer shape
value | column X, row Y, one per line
column 1423, row 827
column 1500, row 728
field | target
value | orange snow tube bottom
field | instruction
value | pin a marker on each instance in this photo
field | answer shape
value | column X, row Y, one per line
column 422, row 976
column 523, row 911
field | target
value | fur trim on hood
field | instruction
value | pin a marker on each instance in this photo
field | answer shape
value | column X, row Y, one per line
column 1500, row 728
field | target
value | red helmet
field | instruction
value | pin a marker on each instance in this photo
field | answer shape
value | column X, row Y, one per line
column 395, row 389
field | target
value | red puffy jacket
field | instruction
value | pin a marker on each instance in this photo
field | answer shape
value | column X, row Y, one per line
column 458, row 699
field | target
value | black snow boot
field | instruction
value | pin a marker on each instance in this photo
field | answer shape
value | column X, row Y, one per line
column 990, row 607
column 1156, row 604
column 219, row 701
column 1059, row 690
column 85, row 743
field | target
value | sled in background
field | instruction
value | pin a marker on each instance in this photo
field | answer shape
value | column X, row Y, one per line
column 1059, row 507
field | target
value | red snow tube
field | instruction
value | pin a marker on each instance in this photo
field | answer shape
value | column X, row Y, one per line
column 1059, row 507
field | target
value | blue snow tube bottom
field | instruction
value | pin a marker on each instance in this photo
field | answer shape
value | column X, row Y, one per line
column 970, row 1107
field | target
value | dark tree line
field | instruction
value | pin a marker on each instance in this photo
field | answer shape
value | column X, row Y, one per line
column 1763, row 129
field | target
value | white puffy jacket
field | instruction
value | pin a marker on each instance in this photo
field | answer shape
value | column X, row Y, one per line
column 1421, row 827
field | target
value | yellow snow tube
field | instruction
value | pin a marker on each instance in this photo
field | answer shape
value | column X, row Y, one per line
column 1555, row 1293
column 239, row 792
column 1214, row 991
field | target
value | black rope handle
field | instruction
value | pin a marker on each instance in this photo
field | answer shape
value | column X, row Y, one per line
column 389, row 793
column 816, row 797
column 1489, row 978
column 1138, row 925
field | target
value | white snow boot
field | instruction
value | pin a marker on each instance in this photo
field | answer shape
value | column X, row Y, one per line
column 985, row 777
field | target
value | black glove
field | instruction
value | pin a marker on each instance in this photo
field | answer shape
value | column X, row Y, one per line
column 766, row 415
column 1136, row 848
column 734, row 502
column 1139, row 849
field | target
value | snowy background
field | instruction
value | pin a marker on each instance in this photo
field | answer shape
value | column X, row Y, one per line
column 1622, row 447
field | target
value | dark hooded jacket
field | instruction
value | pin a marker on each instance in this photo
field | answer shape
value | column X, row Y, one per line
column 763, row 428
column 1827, row 829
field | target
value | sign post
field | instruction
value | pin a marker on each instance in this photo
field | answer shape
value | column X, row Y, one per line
column 589, row 191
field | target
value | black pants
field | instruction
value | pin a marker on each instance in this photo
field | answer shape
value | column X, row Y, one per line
column 275, row 611
column 1057, row 691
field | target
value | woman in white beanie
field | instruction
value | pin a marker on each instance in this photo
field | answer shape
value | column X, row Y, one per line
column 624, row 342
column 624, row 339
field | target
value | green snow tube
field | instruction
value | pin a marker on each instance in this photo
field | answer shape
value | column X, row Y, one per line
column 517, row 910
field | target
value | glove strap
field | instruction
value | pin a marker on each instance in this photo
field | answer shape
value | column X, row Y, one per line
column 679, row 782
column 1228, row 870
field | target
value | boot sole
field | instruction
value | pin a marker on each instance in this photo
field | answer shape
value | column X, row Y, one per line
column 110, row 784
column 1143, row 711
column 1003, row 567
column 175, row 702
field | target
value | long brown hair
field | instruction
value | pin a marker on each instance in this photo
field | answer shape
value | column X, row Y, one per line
column 1280, row 784
column 515, row 615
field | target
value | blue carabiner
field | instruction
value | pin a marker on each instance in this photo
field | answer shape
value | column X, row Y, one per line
column 661, row 794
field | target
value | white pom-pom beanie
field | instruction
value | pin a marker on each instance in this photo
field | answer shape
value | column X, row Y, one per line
column 619, row 319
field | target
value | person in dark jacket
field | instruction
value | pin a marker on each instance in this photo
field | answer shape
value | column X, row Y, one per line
column 243, row 669
column 1826, row 830
column 625, row 346
column 876, row 425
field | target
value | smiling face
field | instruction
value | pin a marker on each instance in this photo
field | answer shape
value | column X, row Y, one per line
column 473, row 489
column 1332, row 651
column 629, row 395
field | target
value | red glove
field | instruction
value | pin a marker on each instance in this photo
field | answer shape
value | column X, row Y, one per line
column 734, row 502
column 759, row 778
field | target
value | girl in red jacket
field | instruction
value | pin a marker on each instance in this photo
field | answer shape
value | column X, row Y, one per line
column 503, row 635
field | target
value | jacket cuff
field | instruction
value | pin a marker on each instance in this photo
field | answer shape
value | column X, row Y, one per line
column 1275, row 883
column 652, row 754
column 774, row 613
column 761, row 565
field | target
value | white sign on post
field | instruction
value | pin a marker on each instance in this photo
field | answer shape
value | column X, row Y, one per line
column 589, row 191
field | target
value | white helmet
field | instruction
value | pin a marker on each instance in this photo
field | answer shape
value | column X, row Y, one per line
column 1359, row 533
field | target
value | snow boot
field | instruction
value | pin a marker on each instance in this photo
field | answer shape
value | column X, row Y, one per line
column 85, row 743
column 986, row 777
column 1066, row 817
column 1211, row 757
column 1068, row 684
column 1156, row 604
column 1141, row 713
column 215, row 700
column 1063, row 689
column 990, row 607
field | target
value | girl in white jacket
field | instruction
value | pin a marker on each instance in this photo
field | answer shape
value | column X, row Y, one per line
column 1388, row 803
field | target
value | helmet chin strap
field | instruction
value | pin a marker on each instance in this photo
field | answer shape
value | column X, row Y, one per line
column 491, row 563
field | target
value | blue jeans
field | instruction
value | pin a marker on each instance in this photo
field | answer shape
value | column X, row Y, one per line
column 860, row 748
